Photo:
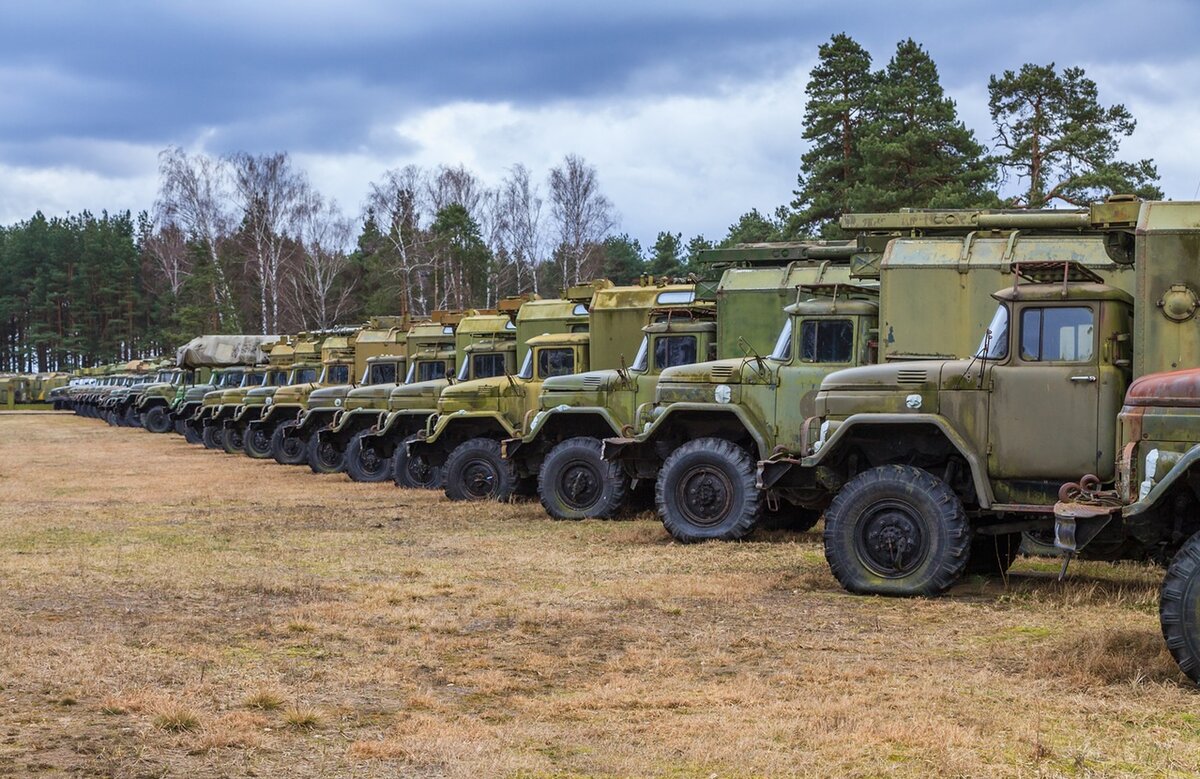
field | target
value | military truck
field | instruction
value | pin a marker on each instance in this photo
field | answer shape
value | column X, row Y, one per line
column 430, row 348
column 289, row 403
column 938, row 466
column 379, row 356
column 745, row 289
column 255, row 416
column 485, row 346
column 218, row 361
column 233, row 414
column 713, row 445
column 122, row 404
column 474, row 418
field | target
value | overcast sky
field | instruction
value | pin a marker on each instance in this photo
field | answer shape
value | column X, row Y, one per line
column 691, row 111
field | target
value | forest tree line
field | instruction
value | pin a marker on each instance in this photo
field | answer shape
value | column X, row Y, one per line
column 245, row 243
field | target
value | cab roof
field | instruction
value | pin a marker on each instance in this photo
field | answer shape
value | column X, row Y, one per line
column 1058, row 292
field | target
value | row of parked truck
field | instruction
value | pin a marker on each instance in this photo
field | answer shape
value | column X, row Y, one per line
column 937, row 388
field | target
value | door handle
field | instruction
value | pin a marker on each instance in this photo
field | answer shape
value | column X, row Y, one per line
column 1083, row 378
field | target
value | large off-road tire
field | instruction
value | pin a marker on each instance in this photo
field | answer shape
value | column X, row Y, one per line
column 256, row 443
column 233, row 440
column 156, row 420
column 476, row 471
column 415, row 473
column 110, row 417
column 130, row 418
column 286, row 449
column 575, row 482
column 897, row 530
column 212, row 437
column 706, row 491
column 1179, row 608
column 992, row 555
column 188, row 432
column 324, row 456
column 364, row 463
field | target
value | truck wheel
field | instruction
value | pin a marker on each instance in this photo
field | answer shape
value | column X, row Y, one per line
column 256, row 443
column 189, row 434
column 323, row 456
column 233, row 440
column 1179, row 608
column 896, row 530
column 414, row 473
column 212, row 437
column 287, row 449
column 575, row 482
column 992, row 555
column 156, row 420
column 364, row 462
column 131, row 418
column 706, row 490
column 476, row 471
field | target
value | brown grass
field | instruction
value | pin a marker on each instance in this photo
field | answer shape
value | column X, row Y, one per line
column 171, row 611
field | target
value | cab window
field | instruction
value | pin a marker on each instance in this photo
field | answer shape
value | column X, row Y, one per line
column 672, row 350
column 336, row 374
column 1059, row 334
column 428, row 370
column 253, row 380
column 640, row 360
column 487, row 365
column 783, row 344
column 555, row 362
column 381, row 373
column 826, row 340
column 305, row 375
column 276, row 378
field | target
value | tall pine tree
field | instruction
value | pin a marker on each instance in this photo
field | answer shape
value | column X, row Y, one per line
column 839, row 90
column 914, row 151
column 1054, row 136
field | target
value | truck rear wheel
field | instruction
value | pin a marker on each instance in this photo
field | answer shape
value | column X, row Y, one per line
column 414, row 473
column 1179, row 608
column 575, row 482
column 131, row 418
column 156, row 420
column 323, row 456
column 212, row 437
column 189, row 434
column 287, row 449
column 364, row 462
column 476, row 471
column 256, row 443
column 233, row 440
column 896, row 530
column 706, row 491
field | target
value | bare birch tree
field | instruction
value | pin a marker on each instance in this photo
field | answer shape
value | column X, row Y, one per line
column 320, row 286
column 272, row 196
column 398, row 202
column 193, row 192
column 167, row 247
column 520, row 221
column 582, row 216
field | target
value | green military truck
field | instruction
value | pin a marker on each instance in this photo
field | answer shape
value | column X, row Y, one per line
column 430, row 350
column 209, row 420
column 713, row 439
column 254, row 417
column 154, row 403
column 123, row 403
column 222, row 358
column 936, row 467
column 474, row 418
column 745, row 291
column 379, row 357
column 485, row 345
column 233, row 413
column 288, row 403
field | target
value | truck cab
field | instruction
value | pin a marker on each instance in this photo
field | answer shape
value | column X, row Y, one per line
column 711, row 422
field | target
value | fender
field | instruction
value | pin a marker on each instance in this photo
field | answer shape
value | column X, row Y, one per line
column 393, row 418
column 983, row 488
column 443, row 422
column 1160, row 490
column 629, row 447
column 347, row 417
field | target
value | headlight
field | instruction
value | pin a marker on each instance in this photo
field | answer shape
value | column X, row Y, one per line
column 337, row 402
column 268, row 401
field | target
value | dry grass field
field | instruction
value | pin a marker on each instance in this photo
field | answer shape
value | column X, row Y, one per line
column 170, row 611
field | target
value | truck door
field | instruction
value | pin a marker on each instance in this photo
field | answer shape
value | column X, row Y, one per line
column 1044, row 405
column 823, row 345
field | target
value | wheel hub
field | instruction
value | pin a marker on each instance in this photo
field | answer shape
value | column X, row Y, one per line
column 580, row 485
column 891, row 538
column 706, row 495
column 479, row 478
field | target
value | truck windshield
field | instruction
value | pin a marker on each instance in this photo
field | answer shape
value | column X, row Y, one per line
column 276, row 378
column 231, row 379
column 555, row 362
column 783, row 346
column 336, row 374
column 304, row 375
column 672, row 350
column 381, row 373
column 826, row 340
column 994, row 345
column 253, row 380
column 642, row 358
